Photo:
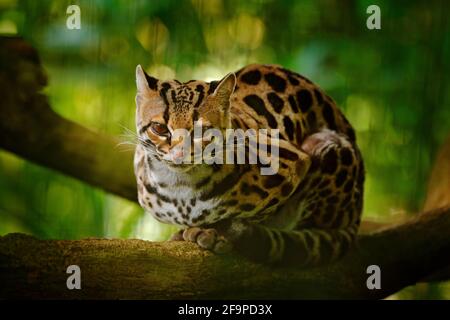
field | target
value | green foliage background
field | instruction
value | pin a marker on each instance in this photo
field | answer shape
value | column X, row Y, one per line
column 391, row 83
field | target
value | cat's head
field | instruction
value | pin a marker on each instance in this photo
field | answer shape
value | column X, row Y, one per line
column 167, row 108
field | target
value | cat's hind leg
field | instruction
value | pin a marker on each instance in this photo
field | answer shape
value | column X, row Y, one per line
column 330, row 200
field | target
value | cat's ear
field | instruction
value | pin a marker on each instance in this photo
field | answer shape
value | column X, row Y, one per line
column 144, row 82
column 224, row 90
column 217, row 105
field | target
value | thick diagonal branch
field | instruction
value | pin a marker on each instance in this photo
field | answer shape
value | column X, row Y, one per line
column 31, row 129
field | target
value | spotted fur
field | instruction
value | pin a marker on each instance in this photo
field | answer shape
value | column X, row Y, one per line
column 307, row 213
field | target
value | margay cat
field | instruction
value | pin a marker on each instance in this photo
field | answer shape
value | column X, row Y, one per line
column 307, row 213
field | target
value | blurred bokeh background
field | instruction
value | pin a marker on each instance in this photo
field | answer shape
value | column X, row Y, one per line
column 391, row 83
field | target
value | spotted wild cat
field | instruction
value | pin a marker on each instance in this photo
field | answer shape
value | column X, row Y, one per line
column 307, row 213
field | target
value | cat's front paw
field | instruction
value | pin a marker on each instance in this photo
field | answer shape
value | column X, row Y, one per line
column 208, row 239
column 177, row 236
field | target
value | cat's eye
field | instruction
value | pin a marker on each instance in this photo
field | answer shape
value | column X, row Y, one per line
column 159, row 129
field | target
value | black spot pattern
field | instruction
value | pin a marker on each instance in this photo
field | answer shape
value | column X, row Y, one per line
column 319, row 96
column 289, row 127
column 276, row 102
column 273, row 181
column 201, row 95
column 163, row 93
column 291, row 76
column 247, row 207
column 351, row 134
column 293, row 80
column 315, row 163
column 228, row 182
column 150, row 189
column 304, row 99
column 287, row 154
column 348, row 186
column 340, row 178
column 346, row 156
column 276, row 82
column 293, row 104
column 311, row 119
column 152, row 82
column 203, row 182
column 286, row 189
column 230, row 203
column 298, row 131
column 360, row 179
column 212, row 86
column 328, row 115
column 251, row 77
column 324, row 193
column 329, row 162
column 257, row 104
column 247, row 189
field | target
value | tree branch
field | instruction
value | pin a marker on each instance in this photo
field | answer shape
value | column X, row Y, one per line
column 31, row 129
column 136, row 269
column 35, row 268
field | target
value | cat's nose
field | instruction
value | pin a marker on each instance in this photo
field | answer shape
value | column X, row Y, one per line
column 177, row 155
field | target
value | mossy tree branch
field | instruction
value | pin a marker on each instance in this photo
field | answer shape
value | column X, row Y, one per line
column 136, row 269
column 31, row 129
